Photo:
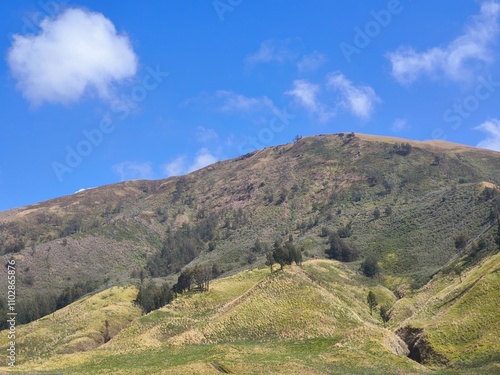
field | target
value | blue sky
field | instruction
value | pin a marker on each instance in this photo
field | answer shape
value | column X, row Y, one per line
column 101, row 92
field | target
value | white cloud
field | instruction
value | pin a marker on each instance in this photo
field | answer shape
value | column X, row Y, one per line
column 202, row 159
column 176, row 167
column 311, row 62
column 359, row 100
column 180, row 165
column 129, row 170
column 77, row 52
column 306, row 94
column 233, row 102
column 205, row 135
column 82, row 190
column 458, row 58
column 399, row 125
column 492, row 140
column 275, row 50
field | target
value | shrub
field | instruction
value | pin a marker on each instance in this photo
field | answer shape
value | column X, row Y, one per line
column 370, row 267
column 461, row 241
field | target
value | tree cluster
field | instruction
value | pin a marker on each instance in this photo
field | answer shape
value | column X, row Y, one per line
column 200, row 275
column 183, row 245
column 152, row 296
column 341, row 250
column 13, row 246
column 345, row 232
column 348, row 138
column 306, row 225
column 42, row 304
column 403, row 149
column 284, row 254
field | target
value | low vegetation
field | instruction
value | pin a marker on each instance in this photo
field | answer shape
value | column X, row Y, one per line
column 225, row 271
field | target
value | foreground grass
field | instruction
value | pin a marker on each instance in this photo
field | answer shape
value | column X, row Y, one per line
column 303, row 320
column 462, row 319
column 251, row 323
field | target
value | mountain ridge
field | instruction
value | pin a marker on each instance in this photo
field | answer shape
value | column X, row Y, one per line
column 438, row 144
column 427, row 213
column 107, row 234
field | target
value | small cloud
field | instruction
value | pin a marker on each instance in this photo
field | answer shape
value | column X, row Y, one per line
column 81, row 190
column 176, row 167
column 492, row 130
column 180, row 165
column 311, row 62
column 306, row 95
column 399, row 125
column 230, row 102
column 203, row 158
column 275, row 50
column 129, row 170
column 233, row 102
column 359, row 100
column 456, row 60
column 229, row 140
column 76, row 53
column 204, row 135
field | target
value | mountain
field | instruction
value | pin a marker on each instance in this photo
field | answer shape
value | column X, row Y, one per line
column 427, row 212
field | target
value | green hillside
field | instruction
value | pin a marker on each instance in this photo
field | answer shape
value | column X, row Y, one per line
column 459, row 316
column 434, row 193
column 303, row 320
column 426, row 212
column 253, row 322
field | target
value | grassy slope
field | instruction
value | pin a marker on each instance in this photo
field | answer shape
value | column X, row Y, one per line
column 305, row 320
column 461, row 318
column 79, row 326
column 320, row 176
column 310, row 320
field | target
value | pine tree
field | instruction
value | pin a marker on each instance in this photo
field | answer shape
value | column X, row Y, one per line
column 497, row 238
column 146, row 297
column 384, row 313
column 270, row 260
column 370, row 266
column 372, row 301
column 280, row 255
column 183, row 282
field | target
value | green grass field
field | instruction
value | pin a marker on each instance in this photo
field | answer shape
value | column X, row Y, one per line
column 303, row 320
